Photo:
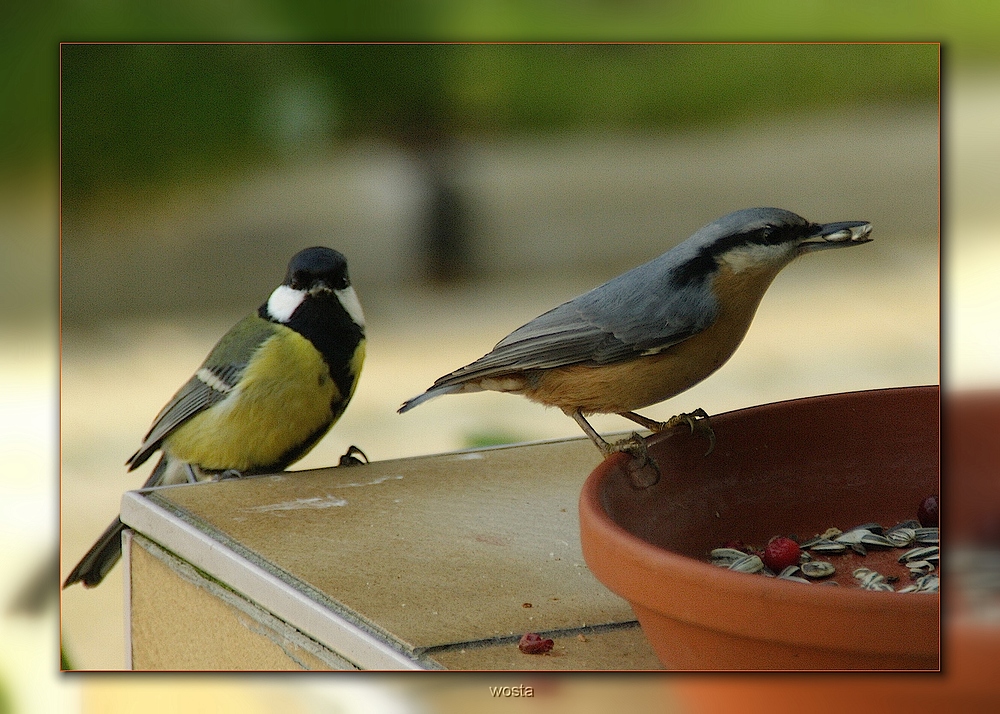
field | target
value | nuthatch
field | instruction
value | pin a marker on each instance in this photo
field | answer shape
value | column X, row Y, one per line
column 652, row 332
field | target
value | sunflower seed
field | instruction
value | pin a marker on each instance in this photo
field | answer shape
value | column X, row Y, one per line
column 818, row 569
column 826, row 545
column 924, row 584
column 726, row 556
column 747, row 564
column 876, row 539
column 927, row 536
column 919, row 567
column 871, row 580
column 789, row 571
column 902, row 537
column 929, row 552
column 852, row 536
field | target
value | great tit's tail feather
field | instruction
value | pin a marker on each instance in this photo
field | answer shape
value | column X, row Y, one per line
column 103, row 555
column 100, row 558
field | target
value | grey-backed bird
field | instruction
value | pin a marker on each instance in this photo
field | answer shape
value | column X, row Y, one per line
column 652, row 332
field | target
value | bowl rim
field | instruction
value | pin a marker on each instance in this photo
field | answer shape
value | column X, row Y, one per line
column 604, row 541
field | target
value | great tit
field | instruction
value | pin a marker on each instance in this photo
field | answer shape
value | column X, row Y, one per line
column 652, row 332
column 265, row 395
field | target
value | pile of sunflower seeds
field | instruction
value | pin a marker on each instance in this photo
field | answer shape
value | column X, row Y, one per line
column 921, row 559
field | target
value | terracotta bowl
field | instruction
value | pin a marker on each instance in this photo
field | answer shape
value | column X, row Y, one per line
column 796, row 467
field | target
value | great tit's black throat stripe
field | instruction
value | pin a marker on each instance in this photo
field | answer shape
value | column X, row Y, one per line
column 323, row 321
column 296, row 452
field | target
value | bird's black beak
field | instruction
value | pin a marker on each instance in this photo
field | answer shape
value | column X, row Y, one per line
column 837, row 235
column 319, row 287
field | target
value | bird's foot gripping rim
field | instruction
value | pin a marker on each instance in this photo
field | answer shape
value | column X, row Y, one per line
column 641, row 468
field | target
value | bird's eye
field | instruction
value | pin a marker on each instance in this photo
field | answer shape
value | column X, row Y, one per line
column 300, row 280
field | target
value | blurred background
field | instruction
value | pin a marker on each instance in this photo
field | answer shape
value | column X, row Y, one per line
column 471, row 188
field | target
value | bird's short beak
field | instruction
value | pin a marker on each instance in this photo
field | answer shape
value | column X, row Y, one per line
column 319, row 287
column 837, row 235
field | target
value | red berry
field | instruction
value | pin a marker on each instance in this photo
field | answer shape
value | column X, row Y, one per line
column 927, row 514
column 780, row 552
column 532, row 643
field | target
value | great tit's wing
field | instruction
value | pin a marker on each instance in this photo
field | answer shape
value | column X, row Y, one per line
column 215, row 379
column 641, row 312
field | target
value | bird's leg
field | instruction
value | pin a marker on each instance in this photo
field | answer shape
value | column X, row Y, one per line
column 642, row 469
column 698, row 419
column 599, row 442
column 349, row 459
column 634, row 445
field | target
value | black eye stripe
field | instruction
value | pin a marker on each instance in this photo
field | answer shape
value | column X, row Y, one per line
column 765, row 235
column 701, row 264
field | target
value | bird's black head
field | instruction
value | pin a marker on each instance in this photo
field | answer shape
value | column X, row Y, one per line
column 317, row 268
column 316, row 277
column 317, row 301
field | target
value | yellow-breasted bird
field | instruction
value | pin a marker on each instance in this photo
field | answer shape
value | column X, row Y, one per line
column 266, row 394
column 652, row 332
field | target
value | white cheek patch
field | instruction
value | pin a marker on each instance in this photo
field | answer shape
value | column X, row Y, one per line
column 349, row 300
column 756, row 256
column 284, row 301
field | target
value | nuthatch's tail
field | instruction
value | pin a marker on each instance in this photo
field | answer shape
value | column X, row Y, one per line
column 429, row 394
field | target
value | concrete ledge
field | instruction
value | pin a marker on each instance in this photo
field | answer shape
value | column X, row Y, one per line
column 424, row 563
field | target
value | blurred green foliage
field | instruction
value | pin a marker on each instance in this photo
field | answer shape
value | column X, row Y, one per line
column 486, row 439
column 135, row 115
column 30, row 33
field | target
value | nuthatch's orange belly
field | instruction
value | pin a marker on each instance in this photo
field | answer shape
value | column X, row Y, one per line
column 636, row 383
column 633, row 384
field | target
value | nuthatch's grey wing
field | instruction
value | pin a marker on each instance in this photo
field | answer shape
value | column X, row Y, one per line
column 638, row 313
column 212, row 383
column 649, row 308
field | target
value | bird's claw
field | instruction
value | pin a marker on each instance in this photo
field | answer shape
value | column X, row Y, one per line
column 349, row 459
column 696, row 420
column 228, row 474
column 642, row 470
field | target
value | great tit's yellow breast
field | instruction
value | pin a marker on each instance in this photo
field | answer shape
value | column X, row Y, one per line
column 285, row 396
column 642, row 381
column 357, row 361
